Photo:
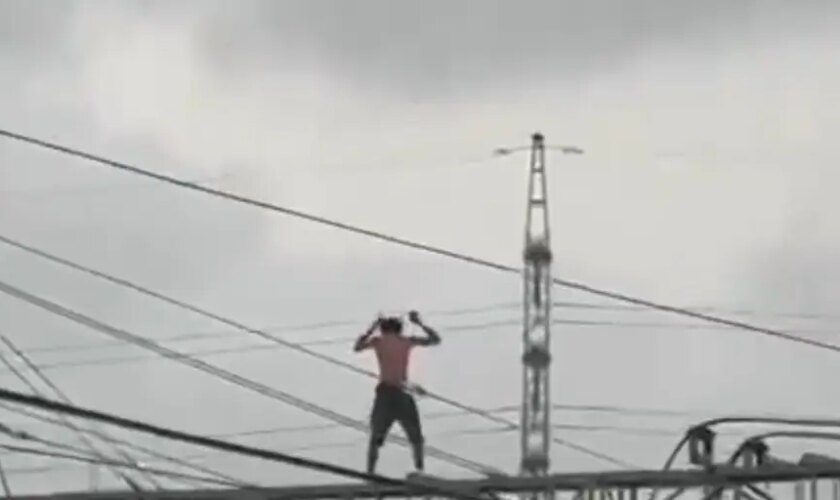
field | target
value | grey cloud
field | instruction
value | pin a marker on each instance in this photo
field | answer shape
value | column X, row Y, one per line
column 30, row 31
column 428, row 48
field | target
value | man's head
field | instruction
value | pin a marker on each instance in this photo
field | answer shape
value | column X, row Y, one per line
column 391, row 326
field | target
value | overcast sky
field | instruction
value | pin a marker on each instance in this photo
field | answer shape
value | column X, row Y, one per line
column 709, row 179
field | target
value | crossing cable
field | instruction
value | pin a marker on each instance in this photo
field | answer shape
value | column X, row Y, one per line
column 192, row 337
column 187, row 478
column 630, row 430
column 804, row 422
column 189, row 337
column 733, row 458
column 99, row 459
column 207, row 442
column 228, row 376
column 204, row 353
column 712, row 309
column 63, row 397
column 142, row 449
column 410, row 244
column 291, row 345
column 7, row 491
column 310, row 447
column 82, row 437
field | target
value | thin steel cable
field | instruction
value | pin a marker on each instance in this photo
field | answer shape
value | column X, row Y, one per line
column 64, row 398
column 285, row 343
column 129, row 444
column 228, row 376
column 309, row 447
column 714, row 309
column 693, row 314
column 805, row 422
column 72, row 410
column 134, row 465
column 830, row 436
column 90, row 459
column 7, row 490
column 204, row 335
column 248, row 201
column 76, row 430
column 203, row 353
column 408, row 243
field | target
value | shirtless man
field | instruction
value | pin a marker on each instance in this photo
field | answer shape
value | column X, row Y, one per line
column 392, row 401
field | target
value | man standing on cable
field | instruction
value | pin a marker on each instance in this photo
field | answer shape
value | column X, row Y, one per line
column 393, row 402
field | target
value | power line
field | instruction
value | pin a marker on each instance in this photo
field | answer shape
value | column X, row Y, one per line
column 439, row 416
column 248, row 201
column 714, row 309
column 224, row 334
column 90, row 189
column 276, row 340
column 408, row 243
column 117, row 463
column 207, row 442
column 308, row 447
column 228, row 376
column 99, row 459
column 82, row 437
column 137, row 447
column 696, row 315
column 64, row 398
column 645, row 432
column 196, row 336
column 202, row 353
column 5, row 481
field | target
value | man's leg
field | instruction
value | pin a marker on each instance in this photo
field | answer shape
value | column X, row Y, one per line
column 410, row 422
column 381, row 418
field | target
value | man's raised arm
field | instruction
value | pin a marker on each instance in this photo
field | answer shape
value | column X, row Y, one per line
column 431, row 338
column 364, row 341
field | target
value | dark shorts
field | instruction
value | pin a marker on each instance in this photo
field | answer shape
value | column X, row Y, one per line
column 393, row 403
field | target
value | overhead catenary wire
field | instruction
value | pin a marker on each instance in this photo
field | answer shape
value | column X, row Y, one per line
column 142, row 449
column 285, row 343
column 76, row 430
column 306, row 447
column 735, row 311
column 829, row 436
column 804, row 422
column 123, row 454
column 356, row 442
column 7, row 490
column 93, row 458
column 302, row 428
column 89, row 459
column 228, row 376
column 215, row 351
column 219, row 193
column 195, row 439
column 224, row 334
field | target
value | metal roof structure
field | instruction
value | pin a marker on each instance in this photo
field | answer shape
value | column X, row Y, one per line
column 625, row 484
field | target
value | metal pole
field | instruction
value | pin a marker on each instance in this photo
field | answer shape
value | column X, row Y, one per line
column 536, row 357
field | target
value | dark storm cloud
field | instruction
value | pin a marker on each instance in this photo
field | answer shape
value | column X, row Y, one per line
column 429, row 47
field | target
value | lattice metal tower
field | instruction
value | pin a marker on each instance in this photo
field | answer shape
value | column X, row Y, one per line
column 536, row 355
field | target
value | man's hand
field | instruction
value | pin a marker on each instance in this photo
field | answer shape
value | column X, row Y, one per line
column 364, row 341
column 431, row 338
column 414, row 317
column 376, row 323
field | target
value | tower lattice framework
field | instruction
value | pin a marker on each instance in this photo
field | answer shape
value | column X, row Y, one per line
column 536, row 355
